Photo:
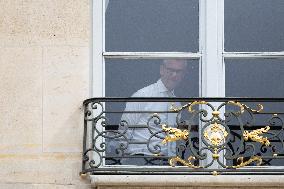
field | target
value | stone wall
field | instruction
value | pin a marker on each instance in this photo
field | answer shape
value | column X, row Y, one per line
column 44, row 78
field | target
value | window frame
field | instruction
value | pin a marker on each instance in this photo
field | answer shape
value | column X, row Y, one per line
column 211, row 54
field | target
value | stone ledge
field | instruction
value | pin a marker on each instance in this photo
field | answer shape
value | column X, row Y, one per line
column 188, row 180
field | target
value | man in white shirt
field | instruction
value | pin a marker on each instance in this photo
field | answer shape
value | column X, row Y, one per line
column 172, row 72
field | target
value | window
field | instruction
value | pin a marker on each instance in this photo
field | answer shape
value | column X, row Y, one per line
column 217, row 37
column 234, row 48
column 137, row 37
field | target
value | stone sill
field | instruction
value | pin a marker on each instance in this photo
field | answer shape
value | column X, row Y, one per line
column 188, row 180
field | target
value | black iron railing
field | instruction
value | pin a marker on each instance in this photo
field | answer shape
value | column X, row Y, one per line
column 183, row 136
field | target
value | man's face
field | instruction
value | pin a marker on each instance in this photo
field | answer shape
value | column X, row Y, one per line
column 172, row 73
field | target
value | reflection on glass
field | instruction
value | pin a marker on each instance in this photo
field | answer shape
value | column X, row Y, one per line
column 147, row 25
column 126, row 77
column 257, row 78
column 131, row 140
column 254, row 25
column 254, row 78
column 147, row 78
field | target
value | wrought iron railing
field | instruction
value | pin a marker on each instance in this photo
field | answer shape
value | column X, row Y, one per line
column 183, row 136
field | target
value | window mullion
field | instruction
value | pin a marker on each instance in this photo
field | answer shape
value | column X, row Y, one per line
column 252, row 55
column 152, row 55
column 212, row 79
column 212, row 60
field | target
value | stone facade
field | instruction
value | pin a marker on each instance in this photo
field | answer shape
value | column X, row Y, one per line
column 44, row 66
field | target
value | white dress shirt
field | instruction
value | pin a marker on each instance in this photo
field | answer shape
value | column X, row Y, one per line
column 157, row 89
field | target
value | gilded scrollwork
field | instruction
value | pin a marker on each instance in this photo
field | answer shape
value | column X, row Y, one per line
column 255, row 136
column 215, row 114
column 195, row 103
column 189, row 106
column 174, row 134
column 242, row 109
column 187, row 163
column 244, row 106
column 215, row 133
column 260, row 108
column 242, row 163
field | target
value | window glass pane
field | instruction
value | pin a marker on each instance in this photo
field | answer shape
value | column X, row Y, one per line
column 151, row 25
column 270, row 145
column 254, row 25
column 125, row 77
column 129, row 132
column 257, row 78
column 147, row 78
column 254, row 78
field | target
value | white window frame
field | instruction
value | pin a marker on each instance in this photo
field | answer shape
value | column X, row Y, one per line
column 211, row 54
column 99, row 54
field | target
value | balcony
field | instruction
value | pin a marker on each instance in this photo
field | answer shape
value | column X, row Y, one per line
column 183, row 136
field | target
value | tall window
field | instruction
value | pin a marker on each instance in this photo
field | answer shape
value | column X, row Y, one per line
column 234, row 48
